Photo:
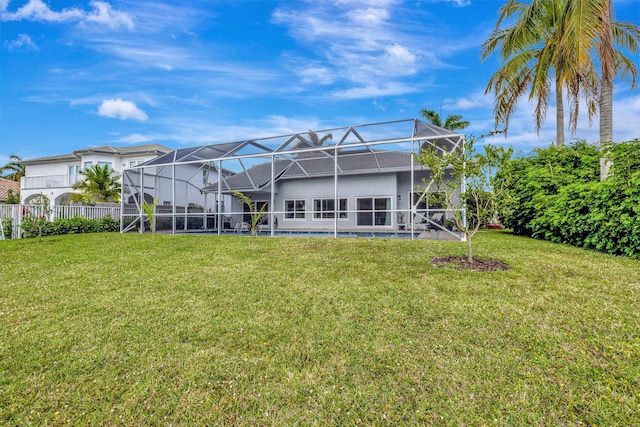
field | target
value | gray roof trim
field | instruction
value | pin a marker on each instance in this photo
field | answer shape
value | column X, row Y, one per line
column 105, row 149
column 51, row 159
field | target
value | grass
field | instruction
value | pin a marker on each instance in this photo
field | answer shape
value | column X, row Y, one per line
column 111, row 329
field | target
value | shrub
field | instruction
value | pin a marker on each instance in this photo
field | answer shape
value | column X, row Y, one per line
column 7, row 225
column 557, row 196
column 31, row 227
column 535, row 179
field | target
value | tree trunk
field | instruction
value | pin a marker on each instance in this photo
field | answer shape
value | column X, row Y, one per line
column 559, row 114
column 606, row 124
column 607, row 61
column 469, row 250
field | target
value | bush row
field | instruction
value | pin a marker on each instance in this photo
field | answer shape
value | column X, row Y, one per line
column 38, row 226
column 557, row 195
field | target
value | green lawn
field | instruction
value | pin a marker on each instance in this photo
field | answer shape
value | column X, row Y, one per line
column 111, row 329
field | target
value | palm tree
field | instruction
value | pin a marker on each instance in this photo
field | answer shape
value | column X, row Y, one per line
column 452, row 122
column 316, row 141
column 530, row 50
column 589, row 26
column 99, row 185
column 559, row 36
column 15, row 168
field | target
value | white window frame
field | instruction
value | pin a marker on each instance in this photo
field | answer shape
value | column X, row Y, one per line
column 295, row 210
column 110, row 164
column 133, row 163
column 373, row 211
column 340, row 212
column 87, row 165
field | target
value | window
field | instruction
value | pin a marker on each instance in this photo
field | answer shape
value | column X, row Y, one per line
column 133, row 163
column 325, row 208
column 374, row 211
column 294, row 209
column 74, row 170
column 259, row 206
column 436, row 201
column 87, row 165
column 103, row 164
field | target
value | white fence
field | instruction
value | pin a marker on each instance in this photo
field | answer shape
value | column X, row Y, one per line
column 18, row 212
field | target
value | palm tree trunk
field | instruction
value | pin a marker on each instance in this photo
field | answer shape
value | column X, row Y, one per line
column 559, row 114
column 606, row 124
column 607, row 59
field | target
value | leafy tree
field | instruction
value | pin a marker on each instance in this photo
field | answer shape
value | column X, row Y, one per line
column 99, row 185
column 466, row 180
column 537, row 178
column 254, row 212
column 14, row 168
column 38, row 215
column 452, row 122
column 13, row 198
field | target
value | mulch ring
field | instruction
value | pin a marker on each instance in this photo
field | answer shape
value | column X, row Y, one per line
column 461, row 263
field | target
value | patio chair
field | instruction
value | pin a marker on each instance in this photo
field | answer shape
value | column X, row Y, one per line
column 437, row 218
column 242, row 226
column 420, row 223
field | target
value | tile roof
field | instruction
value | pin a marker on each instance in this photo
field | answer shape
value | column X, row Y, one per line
column 318, row 165
column 5, row 186
column 106, row 149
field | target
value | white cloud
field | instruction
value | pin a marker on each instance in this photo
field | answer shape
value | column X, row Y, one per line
column 460, row 3
column 316, row 74
column 23, row 40
column 134, row 138
column 102, row 13
column 121, row 109
column 368, row 45
column 373, row 91
column 370, row 15
column 474, row 100
column 400, row 60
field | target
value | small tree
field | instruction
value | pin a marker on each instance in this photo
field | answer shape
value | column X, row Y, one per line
column 13, row 198
column 38, row 214
column 254, row 212
column 150, row 210
column 466, row 180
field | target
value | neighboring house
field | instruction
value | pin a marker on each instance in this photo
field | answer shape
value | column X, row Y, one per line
column 365, row 179
column 54, row 176
column 5, row 186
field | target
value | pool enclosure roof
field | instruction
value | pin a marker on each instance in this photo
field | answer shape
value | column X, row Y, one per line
column 345, row 142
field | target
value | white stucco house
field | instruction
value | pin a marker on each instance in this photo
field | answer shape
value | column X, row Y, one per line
column 55, row 175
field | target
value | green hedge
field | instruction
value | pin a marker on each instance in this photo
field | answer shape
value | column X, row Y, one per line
column 34, row 227
column 557, row 196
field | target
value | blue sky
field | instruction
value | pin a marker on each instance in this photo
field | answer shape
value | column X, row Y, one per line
column 76, row 74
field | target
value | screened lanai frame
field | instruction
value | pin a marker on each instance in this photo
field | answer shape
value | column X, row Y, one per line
column 194, row 204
